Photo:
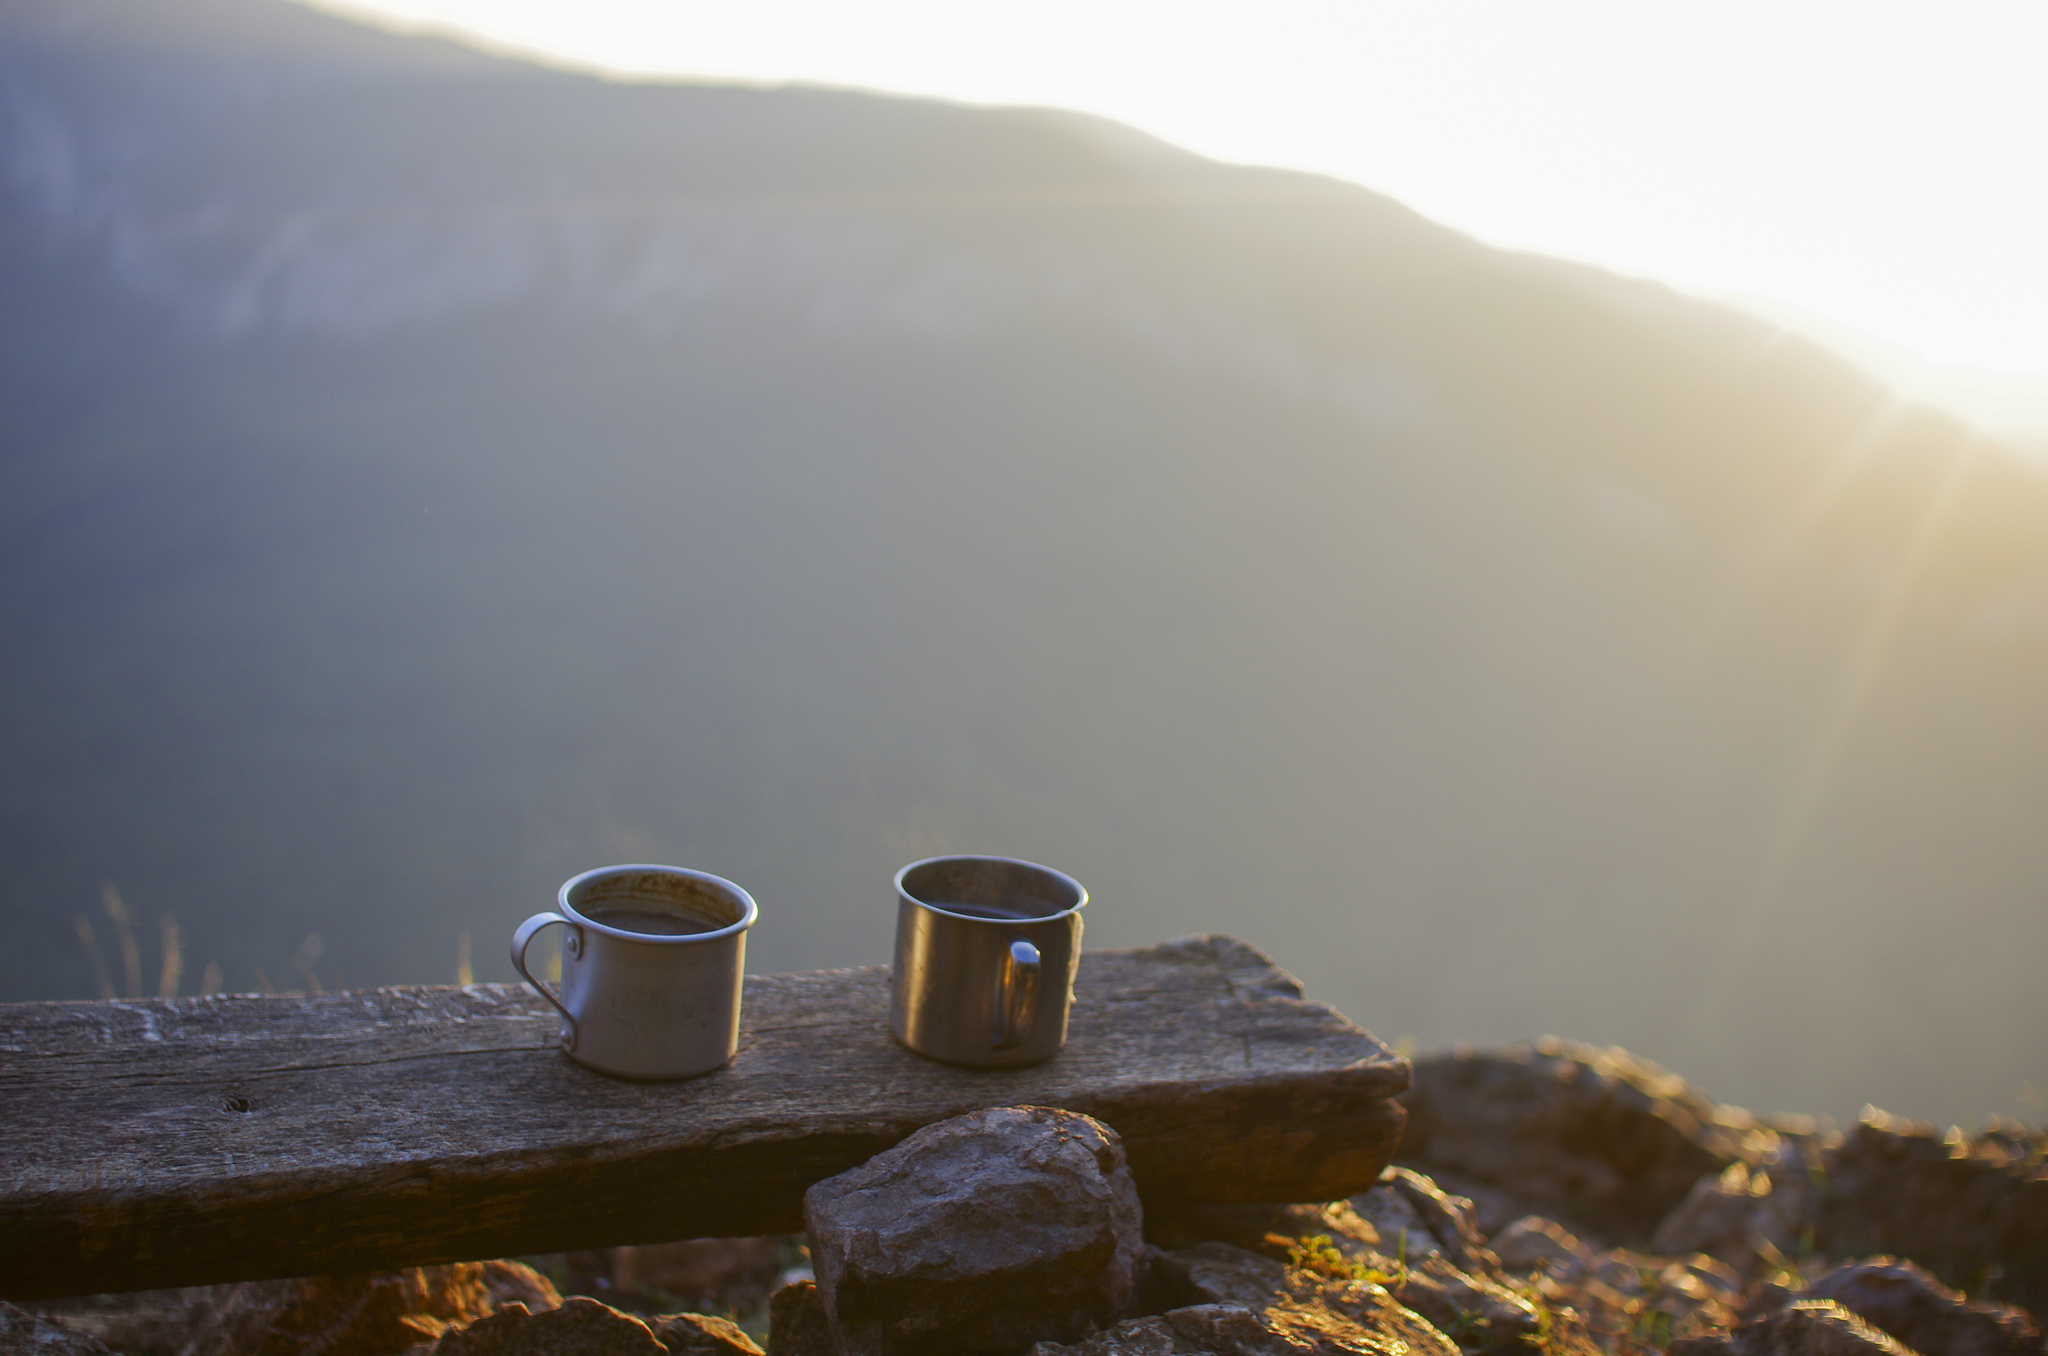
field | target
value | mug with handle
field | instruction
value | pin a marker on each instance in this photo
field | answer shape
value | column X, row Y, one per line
column 986, row 949
column 651, row 969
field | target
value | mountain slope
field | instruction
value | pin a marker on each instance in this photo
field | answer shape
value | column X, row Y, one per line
column 427, row 476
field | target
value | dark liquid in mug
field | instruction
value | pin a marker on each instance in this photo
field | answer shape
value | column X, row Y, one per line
column 1010, row 909
column 649, row 922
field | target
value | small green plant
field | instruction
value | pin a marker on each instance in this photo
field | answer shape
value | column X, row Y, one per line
column 1542, row 1340
column 1319, row 1255
column 1652, row 1328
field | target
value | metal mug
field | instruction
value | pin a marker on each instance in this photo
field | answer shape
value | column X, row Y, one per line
column 985, row 955
column 651, row 969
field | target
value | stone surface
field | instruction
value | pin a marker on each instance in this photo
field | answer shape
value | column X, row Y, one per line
column 339, row 1315
column 702, row 1335
column 1594, row 1136
column 1415, row 1219
column 1337, row 1242
column 1493, row 1208
column 1922, row 1313
column 326, row 1313
column 1745, row 1214
column 580, row 1327
column 1478, row 1313
column 979, row 1234
column 518, row 1283
column 1274, row 1230
column 1534, row 1243
column 1229, row 1330
column 26, row 1334
column 1971, row 1209
column 1251, row 1305
column 1807, row 1328
column 138, row 1323
column 1220, row 1273
column 797, row 1324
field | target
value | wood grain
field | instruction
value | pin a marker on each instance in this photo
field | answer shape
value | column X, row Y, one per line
column 195, row 1140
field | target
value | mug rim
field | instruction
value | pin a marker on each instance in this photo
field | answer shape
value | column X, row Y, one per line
column 1080, row 890
column 748, row 913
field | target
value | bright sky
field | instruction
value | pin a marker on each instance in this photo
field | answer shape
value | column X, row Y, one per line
column 1876, row 168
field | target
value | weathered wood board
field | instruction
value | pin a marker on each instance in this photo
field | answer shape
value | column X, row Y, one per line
column 187, row 1141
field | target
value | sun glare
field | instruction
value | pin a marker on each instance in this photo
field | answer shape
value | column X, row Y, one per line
column 1875, row 165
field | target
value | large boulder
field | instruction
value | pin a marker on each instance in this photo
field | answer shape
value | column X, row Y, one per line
column 1911, row 1305
column 980, row 1234
column 1598, row 1137
column 1971, row 1209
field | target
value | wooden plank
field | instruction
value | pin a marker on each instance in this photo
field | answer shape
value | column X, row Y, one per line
column 196, row 1140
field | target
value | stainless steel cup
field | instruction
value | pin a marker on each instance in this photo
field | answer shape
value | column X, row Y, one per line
column 651, row 969
column 985, row 955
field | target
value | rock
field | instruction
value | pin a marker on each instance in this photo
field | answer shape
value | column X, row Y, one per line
column 518, row 1283
column 1479, row 1314
column 1694, row 1296
column 1714, row 1275
column 1353, row 1316
column 796, row 1322
column 1534, row 1243
column 1492, row 1209
column 1274, row 1230
column 983, row 1233
column 1742, row 1215
column 1402, row 1233
column 580, row 1327
column 1337, row 1243
column 1415, row 1219
column 26, row 1334
column 1207, row 1329
column 702, row 1333
column 1220, row 1273
column 360, row 1315
column 135, row 1323
column 1621, row 1270
column 1806, row 1328
column 1973, row 1210
column 1253, row 1306
column 1911, row 1305
column 1595, row 1136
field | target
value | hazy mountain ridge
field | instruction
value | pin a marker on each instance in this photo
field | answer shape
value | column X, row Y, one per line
column 428, row 476
column 381, row 248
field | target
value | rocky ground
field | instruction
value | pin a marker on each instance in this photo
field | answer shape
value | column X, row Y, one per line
column 1551, row 1200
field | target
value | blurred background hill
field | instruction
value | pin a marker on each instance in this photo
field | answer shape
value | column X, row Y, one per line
column 428, row 475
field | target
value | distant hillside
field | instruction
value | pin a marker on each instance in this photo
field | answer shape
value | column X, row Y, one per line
column 426, row 476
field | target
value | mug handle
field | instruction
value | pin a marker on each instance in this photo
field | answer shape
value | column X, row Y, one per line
column 1016, row 991
column 571, row 944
